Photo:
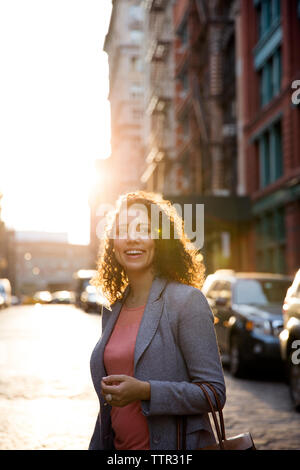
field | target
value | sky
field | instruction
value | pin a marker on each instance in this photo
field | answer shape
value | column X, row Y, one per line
column 54, row 111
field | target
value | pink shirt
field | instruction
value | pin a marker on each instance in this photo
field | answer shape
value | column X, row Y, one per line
column 128, row 422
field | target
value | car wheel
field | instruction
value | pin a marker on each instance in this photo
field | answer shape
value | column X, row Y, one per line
column 294, row 382
column 236, row 364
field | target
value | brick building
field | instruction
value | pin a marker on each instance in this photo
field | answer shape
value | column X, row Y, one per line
column 46, row 261
column 206, row 126
column 159, row 97
column 269, row 38
column 217, row 123
column 124, row 46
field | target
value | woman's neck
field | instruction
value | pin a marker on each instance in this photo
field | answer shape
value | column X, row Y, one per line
column 140, row 285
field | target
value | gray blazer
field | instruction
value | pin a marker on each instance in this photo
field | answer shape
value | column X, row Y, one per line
column 175, row 346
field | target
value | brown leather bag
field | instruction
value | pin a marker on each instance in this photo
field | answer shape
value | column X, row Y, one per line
column 240, row 442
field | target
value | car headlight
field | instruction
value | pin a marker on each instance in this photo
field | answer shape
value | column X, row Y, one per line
column 262, row 327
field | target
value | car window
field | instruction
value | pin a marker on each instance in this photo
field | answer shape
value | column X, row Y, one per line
column 224, row 289
column 260, row 291
column 213, row 290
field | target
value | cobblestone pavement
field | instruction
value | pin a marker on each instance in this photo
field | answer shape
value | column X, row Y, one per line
column 47, row 400
column 262, row 407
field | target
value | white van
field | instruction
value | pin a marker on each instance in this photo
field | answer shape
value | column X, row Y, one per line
column 5, row 292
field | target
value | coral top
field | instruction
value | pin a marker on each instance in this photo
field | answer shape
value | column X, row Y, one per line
column 128, row 422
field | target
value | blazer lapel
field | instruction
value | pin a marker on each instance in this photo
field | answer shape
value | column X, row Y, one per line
column 148, row 326
column 150, row 319
column 111, row 321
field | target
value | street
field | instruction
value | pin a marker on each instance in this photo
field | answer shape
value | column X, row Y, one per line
column 47, row 400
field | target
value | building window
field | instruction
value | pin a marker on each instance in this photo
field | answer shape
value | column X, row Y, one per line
column 185, row 82
column 270, row 155
column 269, row 13
column 136, row 64
column 185, row 129
column 133, row 63
column 136, row 91
column 270, row 241
column 183, row 35
column 135, row 12
column 136, row 36
column 270, row 78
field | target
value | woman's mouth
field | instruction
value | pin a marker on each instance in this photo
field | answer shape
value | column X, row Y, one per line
column 134, row 253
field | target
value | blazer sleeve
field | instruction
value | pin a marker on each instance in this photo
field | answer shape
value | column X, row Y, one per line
column 198, row 345
column 95, row 439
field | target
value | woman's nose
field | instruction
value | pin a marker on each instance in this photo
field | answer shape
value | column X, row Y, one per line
column 133, row 233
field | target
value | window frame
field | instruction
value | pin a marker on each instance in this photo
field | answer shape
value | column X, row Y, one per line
column 270, row 150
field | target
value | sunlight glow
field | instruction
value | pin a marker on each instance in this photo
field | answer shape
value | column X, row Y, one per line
column 54, row 113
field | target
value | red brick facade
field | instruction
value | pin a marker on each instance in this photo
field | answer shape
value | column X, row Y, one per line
column 285, row 190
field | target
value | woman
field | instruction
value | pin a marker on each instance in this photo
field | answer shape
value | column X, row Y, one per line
column 157, row 338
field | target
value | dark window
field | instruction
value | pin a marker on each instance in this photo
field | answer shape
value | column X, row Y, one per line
column 270, row 78
column 185, row 128
column 270, row 155
column 278, row 164
column 185, row 81
column 270, row 241
column 269, row 13
column 184, row 35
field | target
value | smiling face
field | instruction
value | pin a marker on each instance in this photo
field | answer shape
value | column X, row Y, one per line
column 133, row 245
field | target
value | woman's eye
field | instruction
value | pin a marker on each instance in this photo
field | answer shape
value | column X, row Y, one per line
column 137, row 230
column 122, row 231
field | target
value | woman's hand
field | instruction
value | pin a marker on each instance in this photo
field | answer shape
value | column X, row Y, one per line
column 124, row 389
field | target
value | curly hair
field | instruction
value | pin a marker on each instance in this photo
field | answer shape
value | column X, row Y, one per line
column 173, row 259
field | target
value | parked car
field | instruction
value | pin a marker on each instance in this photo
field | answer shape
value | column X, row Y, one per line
column 63, row 297
column 5, row 292
column 42, row 297
column 81, row 279
column 290, row 339
column 15, row 300
column 247, row 309
column 27, row 299
column 91, row 300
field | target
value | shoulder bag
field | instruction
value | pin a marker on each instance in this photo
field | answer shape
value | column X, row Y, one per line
column 240, row 442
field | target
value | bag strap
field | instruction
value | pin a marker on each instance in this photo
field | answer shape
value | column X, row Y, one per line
column 219, row 409
column 220, row 428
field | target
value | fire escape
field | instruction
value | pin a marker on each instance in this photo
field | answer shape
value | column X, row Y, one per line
column 191, row 115
column 213, row 86
column 160, row 96
column 206, row 140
